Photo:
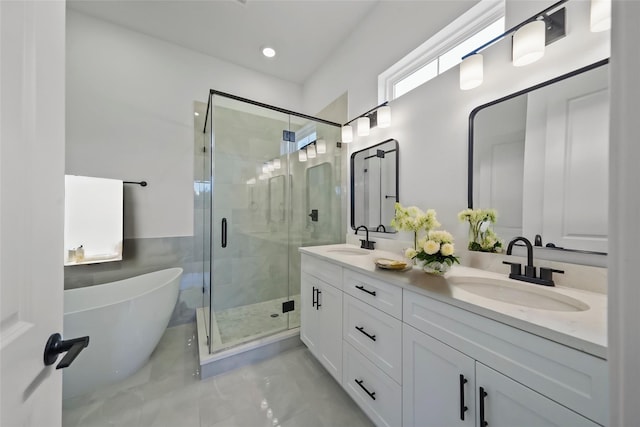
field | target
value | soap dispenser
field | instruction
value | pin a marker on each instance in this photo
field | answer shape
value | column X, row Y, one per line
column 79, row 254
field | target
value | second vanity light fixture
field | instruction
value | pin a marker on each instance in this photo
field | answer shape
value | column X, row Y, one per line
column 379, row 116
column 529, row 40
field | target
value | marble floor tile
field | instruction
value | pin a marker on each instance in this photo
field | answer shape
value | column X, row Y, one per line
column 289, row 390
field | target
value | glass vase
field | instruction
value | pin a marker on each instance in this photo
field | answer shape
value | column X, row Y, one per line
column 435, row 267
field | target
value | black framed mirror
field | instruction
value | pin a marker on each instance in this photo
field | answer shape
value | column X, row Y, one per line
column 374, row 186
column 540, row 158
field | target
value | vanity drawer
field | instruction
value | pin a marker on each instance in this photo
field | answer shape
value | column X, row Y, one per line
column 323, row 270
column 570, row 377
column 381, row 295
column 377, row 394
column 375, row 334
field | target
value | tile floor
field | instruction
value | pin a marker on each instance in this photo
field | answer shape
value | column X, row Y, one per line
column 289, row 390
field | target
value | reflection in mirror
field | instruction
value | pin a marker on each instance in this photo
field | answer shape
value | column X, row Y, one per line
column 319, row 194
column 276, row 199
column 374, row 186
column 92, row 220
column 540, row 158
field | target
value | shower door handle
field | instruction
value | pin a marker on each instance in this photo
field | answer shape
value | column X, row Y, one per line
column 224, row 232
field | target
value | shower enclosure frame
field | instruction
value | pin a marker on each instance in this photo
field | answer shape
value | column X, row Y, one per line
column 209, row 288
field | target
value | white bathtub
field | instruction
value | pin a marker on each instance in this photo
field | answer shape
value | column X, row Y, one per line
column 124, row 320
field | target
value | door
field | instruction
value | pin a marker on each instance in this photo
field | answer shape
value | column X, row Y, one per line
column 438, row 383
column 329, row 302
column 507, row 403
column 310, row 324
column 32, row 46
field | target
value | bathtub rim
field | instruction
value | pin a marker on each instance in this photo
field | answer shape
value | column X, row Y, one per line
column 179, row 271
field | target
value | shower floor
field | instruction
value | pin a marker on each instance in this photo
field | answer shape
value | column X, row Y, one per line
column 243, row 324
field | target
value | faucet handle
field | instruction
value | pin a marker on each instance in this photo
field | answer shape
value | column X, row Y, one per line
column 515, row 267
column 547, row 273
column 367, row 244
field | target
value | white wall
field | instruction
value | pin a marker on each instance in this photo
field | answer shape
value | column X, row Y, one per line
column 431, row 122
column 130, row 116
column 624, row 211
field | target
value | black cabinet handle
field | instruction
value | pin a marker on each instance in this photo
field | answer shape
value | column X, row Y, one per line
column 366, row 290
column 313, row 297
column 483, row 394
column 361, row 329
column 55, row 345
column 371, row 395
column 463, row 408
column 318, row 292
column 224, row 232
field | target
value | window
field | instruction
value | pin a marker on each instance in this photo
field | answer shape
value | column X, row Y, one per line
column 444, row 50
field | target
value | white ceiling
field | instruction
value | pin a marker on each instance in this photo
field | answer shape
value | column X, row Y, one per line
column 303, row 32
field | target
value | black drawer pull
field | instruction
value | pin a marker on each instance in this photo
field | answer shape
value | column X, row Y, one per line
column 361, row 329
column 371, row 395
column 366, row 290
column 483, row 394
column 463, row 408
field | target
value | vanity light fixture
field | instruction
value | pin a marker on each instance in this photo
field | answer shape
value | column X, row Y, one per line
column 529, row 41
column 311, row 151
column 270, row 167
column 277, row 164
column 321, row 146
column 471, row 72
column 347, row 133
column 600, row 15
column 265, row 168
column 302, row 155
column 363, row 124
column 379, row 116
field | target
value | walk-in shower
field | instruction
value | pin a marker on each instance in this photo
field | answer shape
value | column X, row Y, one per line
column 267, row 181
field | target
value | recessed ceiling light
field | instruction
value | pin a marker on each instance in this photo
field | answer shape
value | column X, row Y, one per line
column 196, row 113
column 269, row 52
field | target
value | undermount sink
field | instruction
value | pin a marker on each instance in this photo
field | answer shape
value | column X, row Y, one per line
column 348, row 251
column 523, row 295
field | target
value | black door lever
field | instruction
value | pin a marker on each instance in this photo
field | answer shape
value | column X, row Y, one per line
column 55, row 346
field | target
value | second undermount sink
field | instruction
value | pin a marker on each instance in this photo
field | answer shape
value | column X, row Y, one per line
column 349, row 251
column 513, row 293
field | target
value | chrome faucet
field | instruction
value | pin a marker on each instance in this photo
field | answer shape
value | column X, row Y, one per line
column 546, row 274
column 366, row 243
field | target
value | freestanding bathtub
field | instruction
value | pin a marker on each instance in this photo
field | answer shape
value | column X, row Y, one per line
column 124, row 321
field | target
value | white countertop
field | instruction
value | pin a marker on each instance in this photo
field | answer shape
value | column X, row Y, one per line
column 583, row 330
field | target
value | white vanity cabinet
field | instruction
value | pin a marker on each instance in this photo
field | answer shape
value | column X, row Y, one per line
column 528, row 380
column 411, row 360
column 321, row 317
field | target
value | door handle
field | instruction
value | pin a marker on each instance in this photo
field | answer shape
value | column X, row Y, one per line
column 55, row 345
column 224, row 232
column 313, row 297
column 463, row 407
column 483, row 421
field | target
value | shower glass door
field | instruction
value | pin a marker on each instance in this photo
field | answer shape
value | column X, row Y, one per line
column 249, row 222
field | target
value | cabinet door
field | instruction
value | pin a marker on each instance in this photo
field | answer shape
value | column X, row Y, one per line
column 309, row 324
column 437, row 383
column 507, row 403
column 329, row 301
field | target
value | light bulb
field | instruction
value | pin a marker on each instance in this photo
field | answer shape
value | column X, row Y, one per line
column 363, row 126
column 265, row 168
column 529, row 43
column 600, row 15
column 311, row 151
column 277, row 164
column 347, row 133
column 384, row 116
column 302, row 155
column 321, row 146
column 471, row 72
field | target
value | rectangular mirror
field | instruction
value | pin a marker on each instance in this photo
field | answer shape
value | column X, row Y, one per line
column 93, row 219
column 540, row 158
column 374, row 186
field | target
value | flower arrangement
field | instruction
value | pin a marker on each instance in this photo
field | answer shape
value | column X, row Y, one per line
column 436, row 251
column 481, row 236
column 415, row 220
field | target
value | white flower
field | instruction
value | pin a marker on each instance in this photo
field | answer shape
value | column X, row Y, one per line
column 447, row 249
column 410, row 253
column 440, row 236
column 431, row 247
